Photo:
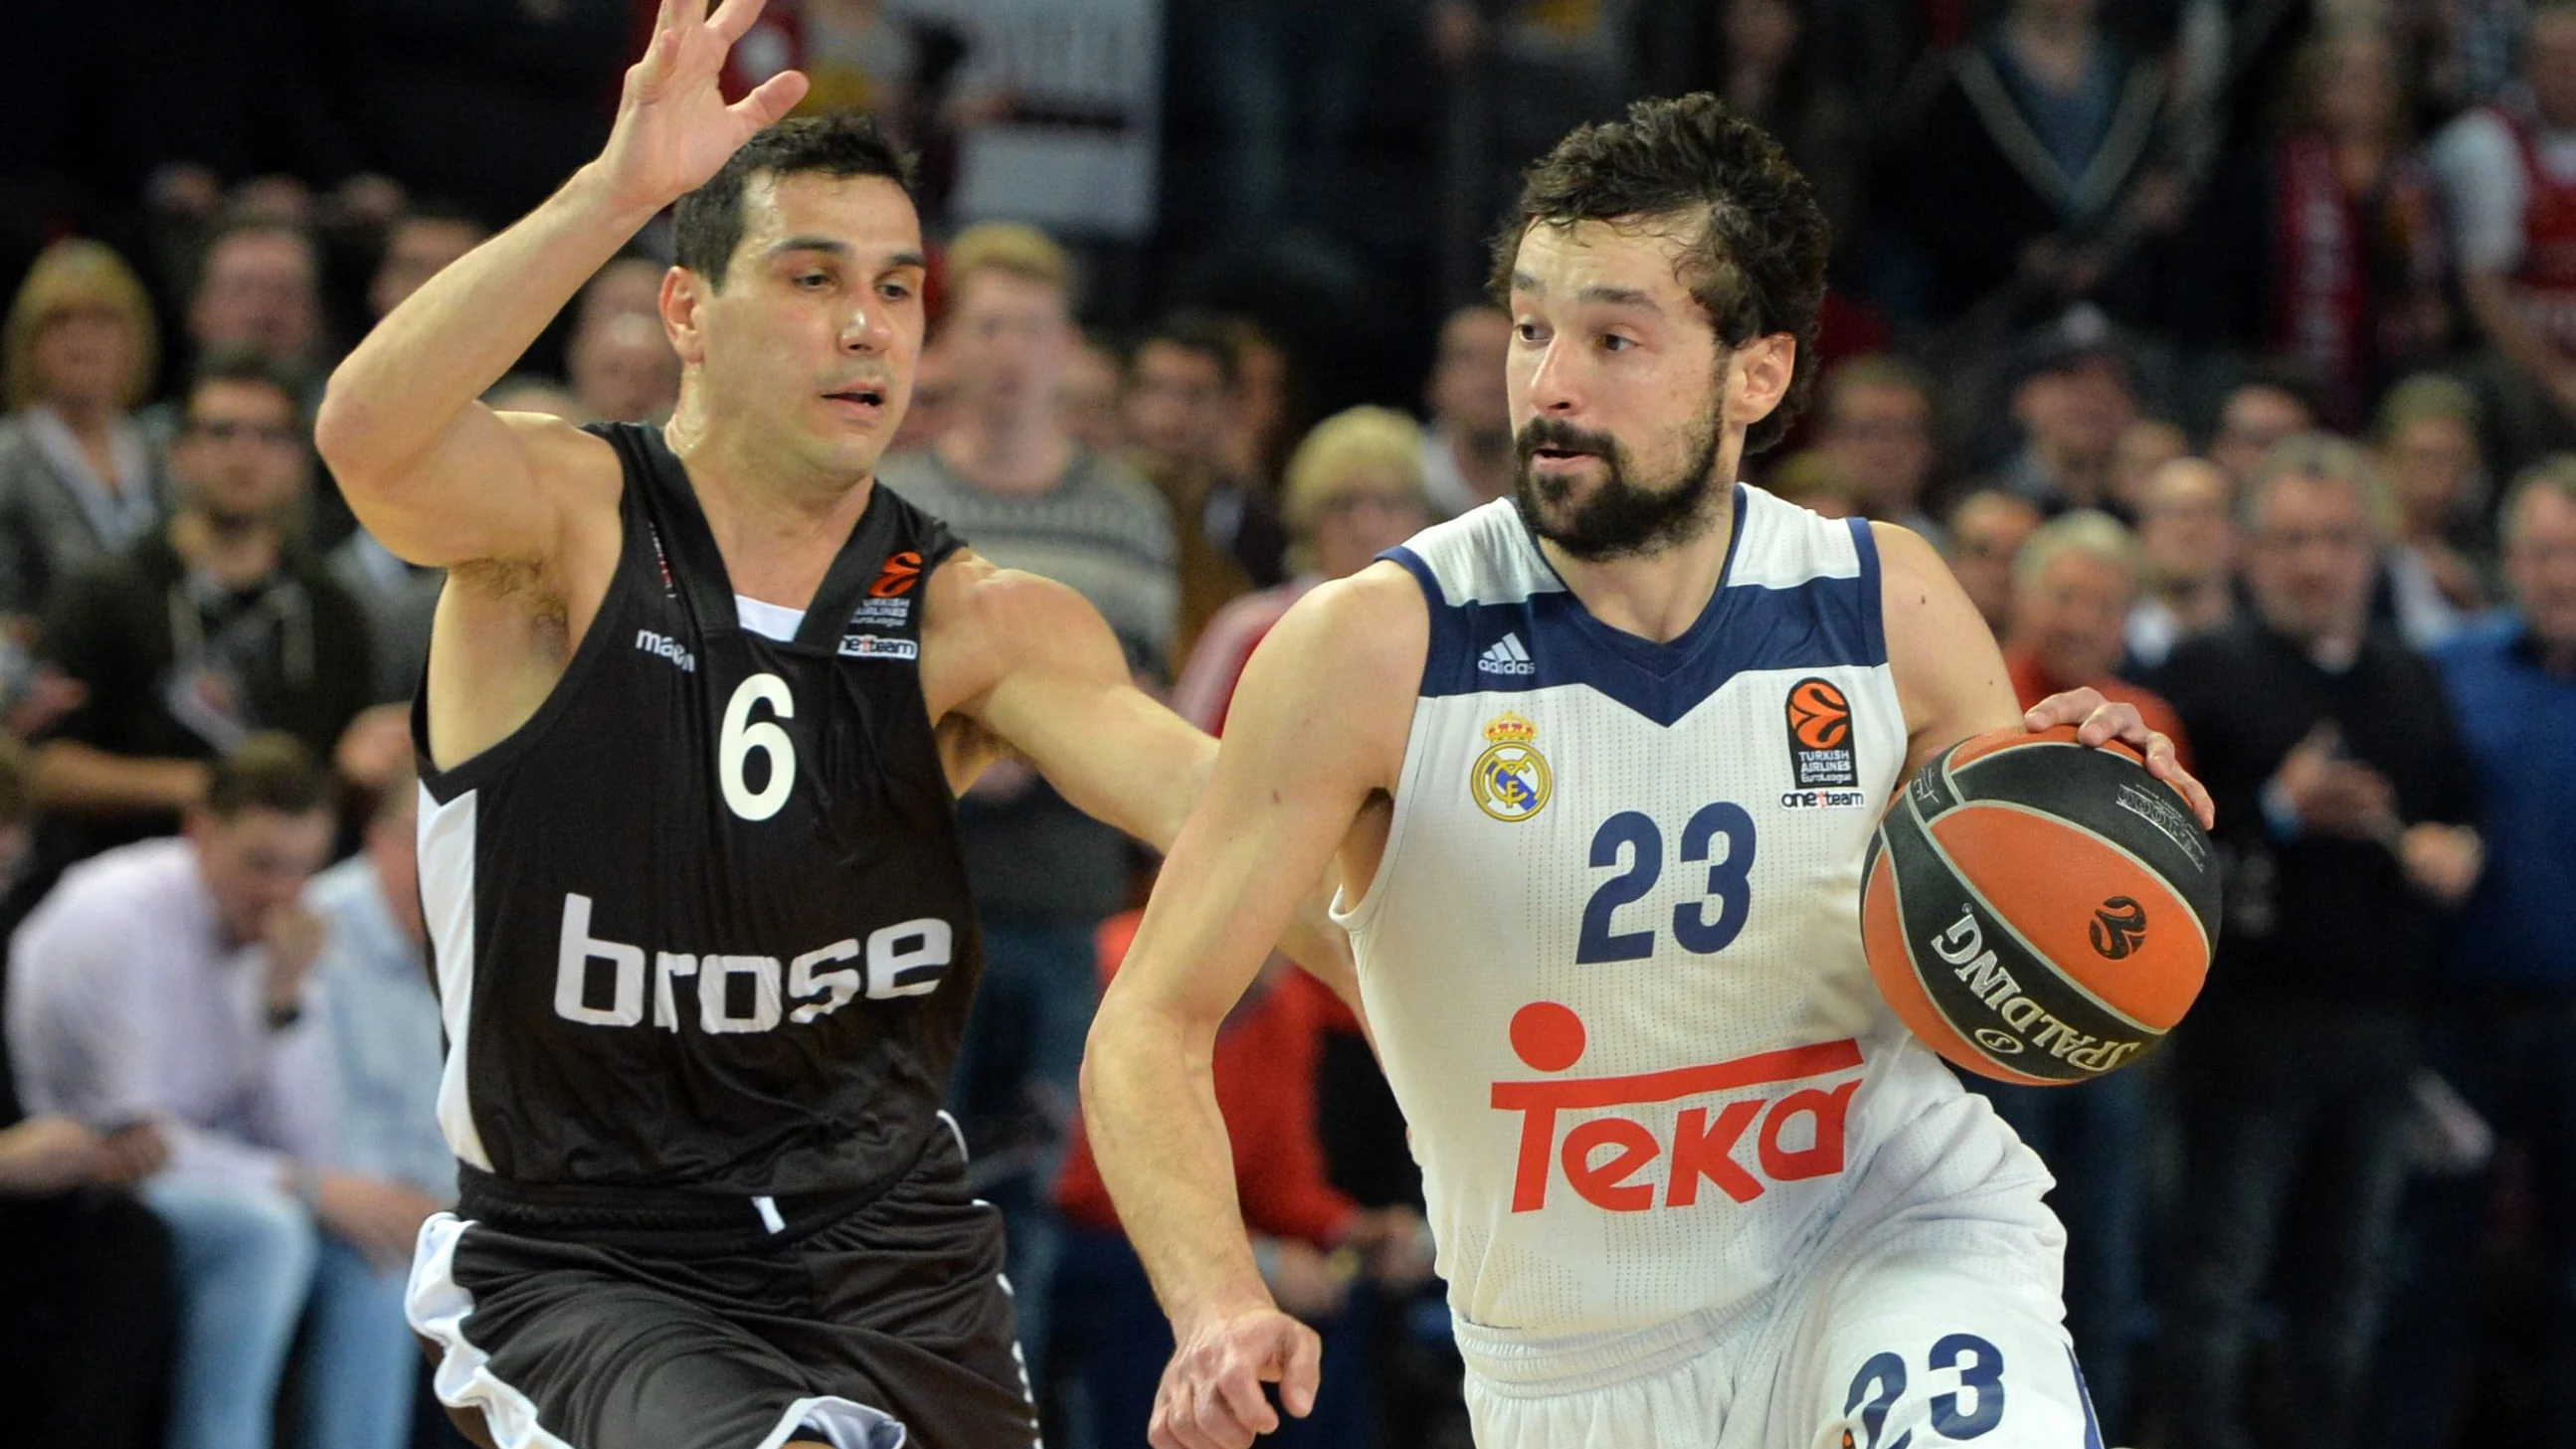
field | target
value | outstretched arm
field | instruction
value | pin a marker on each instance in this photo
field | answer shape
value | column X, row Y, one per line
column 434, row 474
column 1317, row 727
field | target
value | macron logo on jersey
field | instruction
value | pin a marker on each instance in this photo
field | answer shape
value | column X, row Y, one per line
column 1508, row 656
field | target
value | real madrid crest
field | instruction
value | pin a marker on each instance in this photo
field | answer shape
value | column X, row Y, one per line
column 1510, row 781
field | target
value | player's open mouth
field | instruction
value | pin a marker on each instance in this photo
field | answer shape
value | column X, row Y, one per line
column 866, row 397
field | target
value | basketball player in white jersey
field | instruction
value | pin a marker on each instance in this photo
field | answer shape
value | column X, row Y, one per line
column 1600, row 764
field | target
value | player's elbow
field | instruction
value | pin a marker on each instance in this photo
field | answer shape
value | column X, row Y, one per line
column 349, row 445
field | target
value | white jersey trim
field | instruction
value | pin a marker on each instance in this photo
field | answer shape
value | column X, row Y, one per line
column 447, row 906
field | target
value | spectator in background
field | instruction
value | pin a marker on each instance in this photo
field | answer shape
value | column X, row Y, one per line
column 619, row 361
column 2028, row 174
column 934, row 407
column 1987, row 531
column 2187, row 542
column 1354, row 490
column 2328, row 243
column 1180, row 394
column 2074, row 400
column 85, row 1301
column 259, row 291
column 1265, row 1065
column 1817, row 481
column 2343, row 799
column 169, row 982
column 1877, row 424
column 418, row 246
column 214, row 626
column 2144, row 446
column 2252, row 420
column 1086, row 398
column 2504, row 1032
column 381, row 1017
column 1258, row 424
column 1766, row 60
column 77, row 481
column 2508, row 179
column 1467, row 458
column 2431, row 506
column 1009, row 476
column 2073, row 585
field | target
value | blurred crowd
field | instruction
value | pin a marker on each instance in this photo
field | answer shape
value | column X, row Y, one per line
column 2226, row 347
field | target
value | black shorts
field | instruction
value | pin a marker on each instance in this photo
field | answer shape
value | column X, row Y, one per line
column 869, row 1326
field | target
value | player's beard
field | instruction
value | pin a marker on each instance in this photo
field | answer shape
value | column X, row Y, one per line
column 1621, row 519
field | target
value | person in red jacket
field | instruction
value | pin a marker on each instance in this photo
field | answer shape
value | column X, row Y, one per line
column 1314, row 1243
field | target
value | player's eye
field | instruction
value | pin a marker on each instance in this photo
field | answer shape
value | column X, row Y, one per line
column 1613, row 342
column 895, row 291
column 813, row 281
column 1530, row 332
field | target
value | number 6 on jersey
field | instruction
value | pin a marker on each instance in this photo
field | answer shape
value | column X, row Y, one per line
column 742, row 738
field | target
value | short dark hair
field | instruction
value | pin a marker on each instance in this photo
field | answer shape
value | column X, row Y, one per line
column 1758, row 263
column 1210, row 334
column 271, row 770
column 708, row 223
column 245, row 367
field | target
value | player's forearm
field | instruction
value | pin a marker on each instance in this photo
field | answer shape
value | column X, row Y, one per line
column 1149, row 1105
column 78, row 778
column 434, row 355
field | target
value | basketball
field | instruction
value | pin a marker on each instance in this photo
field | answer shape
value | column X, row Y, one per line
column 2038, row 911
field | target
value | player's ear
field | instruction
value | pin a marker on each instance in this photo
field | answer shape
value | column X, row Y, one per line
column 682, row 293
column 1763, row 370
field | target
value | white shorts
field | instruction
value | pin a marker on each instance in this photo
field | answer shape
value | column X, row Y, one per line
column 1940, row 1324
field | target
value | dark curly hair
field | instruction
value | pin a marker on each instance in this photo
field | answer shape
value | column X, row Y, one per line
column 1758, row 263
column 708, row 223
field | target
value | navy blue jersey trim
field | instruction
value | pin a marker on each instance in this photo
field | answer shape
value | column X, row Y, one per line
column 1819, row 624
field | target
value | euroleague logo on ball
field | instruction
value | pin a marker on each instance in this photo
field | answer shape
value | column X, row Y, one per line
column 2118, row 928
column 1820, row 730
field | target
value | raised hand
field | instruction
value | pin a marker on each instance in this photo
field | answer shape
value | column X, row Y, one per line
column 673, row 129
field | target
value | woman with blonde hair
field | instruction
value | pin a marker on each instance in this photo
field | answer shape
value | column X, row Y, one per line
column 1353, row 489
column 77, row 481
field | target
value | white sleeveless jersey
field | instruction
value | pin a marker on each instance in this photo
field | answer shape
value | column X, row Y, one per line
column 1612, row 955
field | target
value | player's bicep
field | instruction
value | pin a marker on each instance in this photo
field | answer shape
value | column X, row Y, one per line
column 491, row 486
column 1950, row 675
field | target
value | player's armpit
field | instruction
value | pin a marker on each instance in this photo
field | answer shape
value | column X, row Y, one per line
column 1317, row 725
column 1949, row 674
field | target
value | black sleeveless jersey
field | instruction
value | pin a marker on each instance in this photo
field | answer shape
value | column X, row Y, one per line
column 702, row 922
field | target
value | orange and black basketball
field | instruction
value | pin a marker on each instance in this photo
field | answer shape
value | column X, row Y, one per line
column 2037, row 911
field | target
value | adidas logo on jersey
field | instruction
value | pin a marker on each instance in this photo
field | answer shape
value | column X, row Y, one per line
column 1507, row 656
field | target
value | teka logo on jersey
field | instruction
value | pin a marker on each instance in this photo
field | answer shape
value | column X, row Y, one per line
column 2119, row 927
column 1820, row 729
column 602, row 983
column 1795, row 1135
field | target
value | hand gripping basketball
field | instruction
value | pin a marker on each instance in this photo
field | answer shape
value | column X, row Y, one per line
column 2098, row 721
column 673, row 127
column 1211, row 1393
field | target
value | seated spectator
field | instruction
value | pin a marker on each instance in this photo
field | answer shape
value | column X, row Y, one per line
column 2252, row 420
column 86, row 1307
column 1815, row 480
column 2073, row 584
column 2343, row 799
column 2144, row 446
column 2507, row 172
column 1877, row 423
column 2187, row 546
column 1987, row 530
column 1354, row 490
column 418, row 246
column 257, row 293
column 382, row 1019
column 1180, row 393
column 2430, row 506
column 1467, row 457
column 934, row 400
column 77, row 481
column 1264, row 417
column 1313, row 1243
column 1086, row 398
column 2074, row 400
column 169, row 982
column 618, row 360
column 2504, row 1032
column 2029, row 164
column 211, row 627
column 2327, row 244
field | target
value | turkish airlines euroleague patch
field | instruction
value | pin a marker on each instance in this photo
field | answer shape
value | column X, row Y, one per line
column 1820, row 736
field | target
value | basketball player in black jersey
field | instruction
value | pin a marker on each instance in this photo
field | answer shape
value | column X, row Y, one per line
column 697, row 702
